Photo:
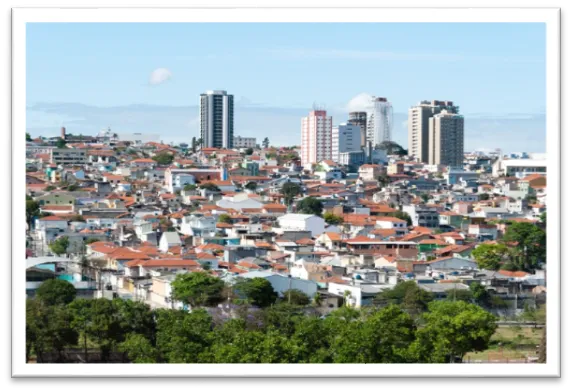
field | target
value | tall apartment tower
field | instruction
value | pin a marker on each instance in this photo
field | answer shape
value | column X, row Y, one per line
column 360, row 119
column 418, row 125
column 446, row 139
column 345, row 138
column 316, row 137
column 217, row 119
column 380, row 123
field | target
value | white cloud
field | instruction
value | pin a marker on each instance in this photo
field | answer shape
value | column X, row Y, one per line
column 159, row 76
column 359, row 103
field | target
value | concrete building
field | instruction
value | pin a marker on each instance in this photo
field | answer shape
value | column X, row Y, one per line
column 418, row 126
column 244, row 142
column 302, row 222
column 360, row 119
column 353, row 158
column 217, row 119
column 446, row 139
column 316, row 137
column 380, row 122
column 519, row 167
column 68, row 156
column 345, row 138
column 422, row 215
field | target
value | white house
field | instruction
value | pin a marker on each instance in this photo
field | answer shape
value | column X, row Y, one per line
column 485, row 232
column 302, row 222
column 169, row 239
column 198, row 225
column 239, row 201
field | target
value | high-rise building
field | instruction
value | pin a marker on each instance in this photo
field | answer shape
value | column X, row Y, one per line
column 316, row 137
column 217, row 119
column 418, row 126
column 380, row 123
column 360, row 119
column 446, row 139
column 345, row 138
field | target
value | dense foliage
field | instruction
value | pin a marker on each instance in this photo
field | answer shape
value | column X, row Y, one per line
column 290, row 190
column 310, row 205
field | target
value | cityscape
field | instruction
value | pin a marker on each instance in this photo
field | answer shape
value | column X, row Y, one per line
column 361, row 240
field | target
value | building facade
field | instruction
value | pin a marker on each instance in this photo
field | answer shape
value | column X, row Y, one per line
column 316, row 137
column 360, row 119
column 380, row 123
column 217, row 119
column 244, row 142
column 68, row 156
column 418, row 126
column 446, row 139
column 345, row 138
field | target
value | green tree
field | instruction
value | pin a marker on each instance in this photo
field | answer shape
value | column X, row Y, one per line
column 209, row 186
column 60, row 245
column 72, row 188
column 32, row 210
column 248, row 151
column 257, row 291
column 382, row 337
column 490, row 256
column 407, row 295
column 197, row 289
column 403, row 216
column 265, row 142
column 530, row 244
column 61, row 143
column 48, row 329
column 310, row 205
column 139, row 349
column 28, row 137
column 484, row 196
column 134, row 317
column 91, row 240
column 290, row 190
column 56, row 292
column 224, row 218
column 189, row 187
column 163, row 158
column 252, row 186
column 480, row 294
column 425, row 197
column 332, row 219
column 182, row 336
column 543, row 218
column 295, row 297
column 451, row 329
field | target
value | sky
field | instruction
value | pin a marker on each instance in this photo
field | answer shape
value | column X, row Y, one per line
column 147, row 77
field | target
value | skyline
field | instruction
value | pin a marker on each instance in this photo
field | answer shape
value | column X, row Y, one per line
column 148, row 78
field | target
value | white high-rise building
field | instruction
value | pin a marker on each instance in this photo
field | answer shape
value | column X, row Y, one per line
column 217, row 119
column 418, row 124
column 345, row 138
column 380, row 122
column 316, row 137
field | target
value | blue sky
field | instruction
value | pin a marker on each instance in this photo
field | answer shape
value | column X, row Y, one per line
column 494, row 72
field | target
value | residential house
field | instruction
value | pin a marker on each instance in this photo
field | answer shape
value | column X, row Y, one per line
column 168, row 240
column 302, row 222
column 370, row 172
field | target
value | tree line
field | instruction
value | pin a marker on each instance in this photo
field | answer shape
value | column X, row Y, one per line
column 405, row 328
